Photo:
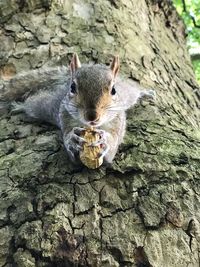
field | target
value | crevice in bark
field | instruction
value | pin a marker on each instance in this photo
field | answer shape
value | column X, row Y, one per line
column 55, row 214
column 141, row 258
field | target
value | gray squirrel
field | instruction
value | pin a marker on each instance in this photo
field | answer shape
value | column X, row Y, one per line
column 78, row 97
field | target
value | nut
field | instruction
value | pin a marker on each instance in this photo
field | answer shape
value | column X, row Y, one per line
column 90, row 154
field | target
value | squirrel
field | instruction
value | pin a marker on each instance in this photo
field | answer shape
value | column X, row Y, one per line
column 78, row 97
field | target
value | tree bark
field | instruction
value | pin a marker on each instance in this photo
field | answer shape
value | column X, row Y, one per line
column 142, row 211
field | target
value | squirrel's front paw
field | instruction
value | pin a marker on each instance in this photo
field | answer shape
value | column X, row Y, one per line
column 74, row 142
column 102, row 142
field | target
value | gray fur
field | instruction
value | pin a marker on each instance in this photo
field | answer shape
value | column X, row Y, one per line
column 43, row 106
column 46, row 95
column 27, row 83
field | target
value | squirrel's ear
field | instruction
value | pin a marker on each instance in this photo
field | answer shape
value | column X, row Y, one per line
column 75, row 63
column 115, row 66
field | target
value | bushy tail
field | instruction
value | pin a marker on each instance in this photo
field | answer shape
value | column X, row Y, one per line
column 27, row 83
column 17, row 107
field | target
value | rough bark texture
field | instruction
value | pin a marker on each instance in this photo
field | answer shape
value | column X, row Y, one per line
column 144, row 210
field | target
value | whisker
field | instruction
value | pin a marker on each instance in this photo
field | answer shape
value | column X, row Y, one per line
column 72, row 105
column 115, row 108
column 73, row 111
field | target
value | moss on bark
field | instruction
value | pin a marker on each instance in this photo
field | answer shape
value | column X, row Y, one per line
column 144, row 209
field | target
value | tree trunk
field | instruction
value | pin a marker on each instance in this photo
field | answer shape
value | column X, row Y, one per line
column 142, row 211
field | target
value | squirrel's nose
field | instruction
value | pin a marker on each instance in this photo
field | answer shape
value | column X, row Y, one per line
column 91, row 115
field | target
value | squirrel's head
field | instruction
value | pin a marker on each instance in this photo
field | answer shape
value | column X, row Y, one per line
column 92, row 96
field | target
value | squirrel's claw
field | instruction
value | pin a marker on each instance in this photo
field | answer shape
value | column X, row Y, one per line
column 99, row 142
column 78, row 130
column 78, row 139
column 105, row 147
column 102, row 142
column 102, row 133
column 74, row 143
column 75, row 135
column 103, row 137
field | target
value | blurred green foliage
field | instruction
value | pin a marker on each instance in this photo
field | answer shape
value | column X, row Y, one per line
column 190, row 12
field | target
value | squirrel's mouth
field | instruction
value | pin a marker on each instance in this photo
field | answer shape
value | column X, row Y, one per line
column 92, row 123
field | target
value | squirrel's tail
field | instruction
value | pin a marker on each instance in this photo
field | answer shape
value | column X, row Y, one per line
column 31, row 92
column 27, row 83
column 17, row 107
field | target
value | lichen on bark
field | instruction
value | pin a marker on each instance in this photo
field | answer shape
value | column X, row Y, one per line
column 144, row 209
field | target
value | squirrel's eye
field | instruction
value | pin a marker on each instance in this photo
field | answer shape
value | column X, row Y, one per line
column 113, row 91
column 73, row 88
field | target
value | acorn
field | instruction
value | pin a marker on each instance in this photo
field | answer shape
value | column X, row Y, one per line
column 89, row 156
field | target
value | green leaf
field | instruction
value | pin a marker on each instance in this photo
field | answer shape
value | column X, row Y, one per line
column 193, row 38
